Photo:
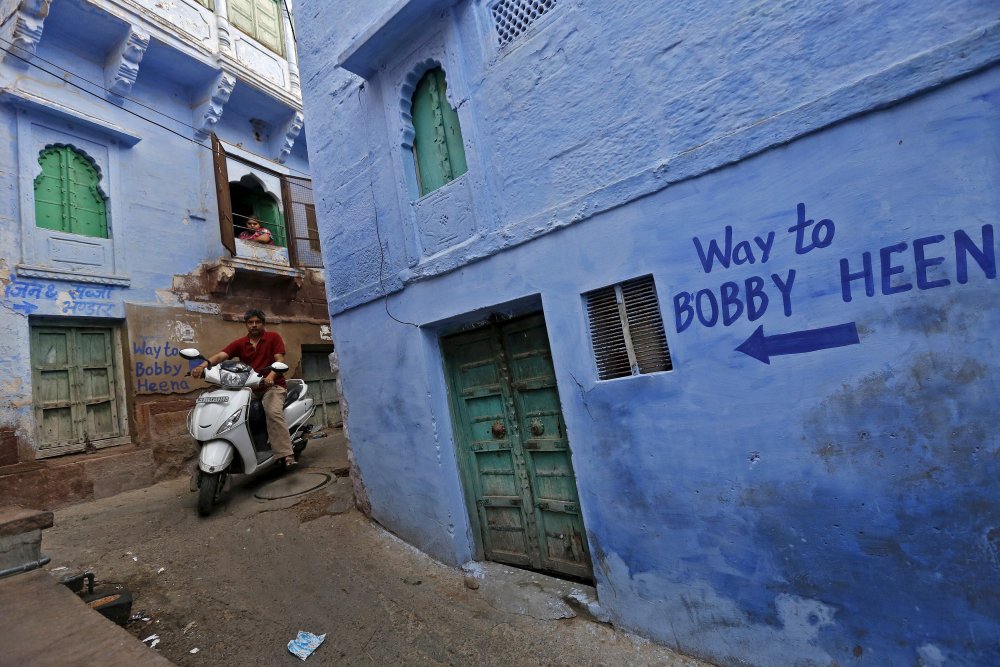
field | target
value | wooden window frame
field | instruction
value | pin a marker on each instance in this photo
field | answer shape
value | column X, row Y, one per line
column 627, row 334
column 296, row 231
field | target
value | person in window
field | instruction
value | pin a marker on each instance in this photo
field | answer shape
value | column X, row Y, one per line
column 259, row 349
column 254, row 232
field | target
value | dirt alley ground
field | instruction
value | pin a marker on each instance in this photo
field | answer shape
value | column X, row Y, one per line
column 239, row 584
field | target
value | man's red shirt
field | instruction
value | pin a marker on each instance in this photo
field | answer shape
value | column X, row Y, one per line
column 261, row 356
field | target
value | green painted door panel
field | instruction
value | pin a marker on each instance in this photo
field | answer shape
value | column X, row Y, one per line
column 513, row 451
column 74, row 385
column 556, row 505
column 322, row 387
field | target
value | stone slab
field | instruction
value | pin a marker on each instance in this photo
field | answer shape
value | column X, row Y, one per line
column 42, row 623
column 14, row 520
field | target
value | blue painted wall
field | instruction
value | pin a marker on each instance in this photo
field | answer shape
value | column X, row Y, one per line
column 837, row 506
column 156, row 172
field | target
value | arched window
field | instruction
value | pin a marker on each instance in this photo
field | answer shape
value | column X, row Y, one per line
column 249, row 199
column 68, row 195
column 438, row 151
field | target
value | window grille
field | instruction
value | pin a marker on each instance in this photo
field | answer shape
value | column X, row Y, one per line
column 626, row 329
column 514, row 17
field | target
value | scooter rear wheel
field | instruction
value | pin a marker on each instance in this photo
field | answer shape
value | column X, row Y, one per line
column 209, row 491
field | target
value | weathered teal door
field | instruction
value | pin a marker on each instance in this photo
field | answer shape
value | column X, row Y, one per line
column 513, row 450
column 75, row 390
column 323, row 386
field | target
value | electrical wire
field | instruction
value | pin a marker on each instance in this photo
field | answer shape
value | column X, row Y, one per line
column 378, row 235
column 130, row 111
column 291, row 24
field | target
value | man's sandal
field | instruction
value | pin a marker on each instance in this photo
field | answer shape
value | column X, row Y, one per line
column 290, row 462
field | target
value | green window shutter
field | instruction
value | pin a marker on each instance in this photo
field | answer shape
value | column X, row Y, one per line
column 437, row 145
column 50, row 211
column 241, row 15
column 261, row 19
column 268, row 21
column 67, row 194
column 452, row 134
column 87, row 209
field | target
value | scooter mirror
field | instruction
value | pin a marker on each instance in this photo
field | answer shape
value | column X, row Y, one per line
column 191, row 353
column 279, row 367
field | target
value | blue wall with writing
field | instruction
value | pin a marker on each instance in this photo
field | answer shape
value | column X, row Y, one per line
column 816, row 480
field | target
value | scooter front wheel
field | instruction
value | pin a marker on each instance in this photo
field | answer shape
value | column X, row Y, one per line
column 209, row 492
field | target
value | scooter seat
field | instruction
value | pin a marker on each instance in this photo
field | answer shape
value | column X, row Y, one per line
column 292, row 395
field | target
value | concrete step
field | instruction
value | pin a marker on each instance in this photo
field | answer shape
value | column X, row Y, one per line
column 66, row 480
column 43, row 624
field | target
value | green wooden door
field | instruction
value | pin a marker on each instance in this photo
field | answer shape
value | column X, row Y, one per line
column 322, row 387
column 513, row 449
column 75, row 393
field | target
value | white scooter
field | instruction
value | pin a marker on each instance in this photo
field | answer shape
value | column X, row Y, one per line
column 229, row 424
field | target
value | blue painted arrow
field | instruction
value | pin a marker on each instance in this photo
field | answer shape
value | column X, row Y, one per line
column 25, row 307
column 762, row 347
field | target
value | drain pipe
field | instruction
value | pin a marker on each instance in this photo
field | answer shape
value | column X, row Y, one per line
column 25, row 567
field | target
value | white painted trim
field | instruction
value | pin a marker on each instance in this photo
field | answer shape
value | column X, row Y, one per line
column 24, row 100
column 264, row 162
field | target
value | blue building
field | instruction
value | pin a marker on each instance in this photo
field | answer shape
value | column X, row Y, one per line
column 139, row 136
column 694, row 300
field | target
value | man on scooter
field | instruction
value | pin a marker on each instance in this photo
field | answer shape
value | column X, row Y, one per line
column 259, row 349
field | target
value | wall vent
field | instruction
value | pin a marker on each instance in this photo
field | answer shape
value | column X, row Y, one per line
column 626, row 329
column 514, row 17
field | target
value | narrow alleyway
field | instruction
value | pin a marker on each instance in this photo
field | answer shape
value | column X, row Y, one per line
column 234, row 588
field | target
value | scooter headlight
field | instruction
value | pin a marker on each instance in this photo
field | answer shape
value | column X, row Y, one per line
column 233, row 379
column 233, row 420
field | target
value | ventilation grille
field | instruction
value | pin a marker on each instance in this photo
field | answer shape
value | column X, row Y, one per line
column 514, row 17
column 626, row 329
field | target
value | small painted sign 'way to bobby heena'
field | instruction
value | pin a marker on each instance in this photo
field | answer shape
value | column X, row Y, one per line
column 762, row 347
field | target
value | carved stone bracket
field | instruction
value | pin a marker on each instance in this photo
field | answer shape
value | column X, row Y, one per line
column 23, row 31
column 288, row 136
column 122, row 66
column 208, row 112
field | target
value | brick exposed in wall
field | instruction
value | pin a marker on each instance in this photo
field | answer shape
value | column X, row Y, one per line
column 8, row 447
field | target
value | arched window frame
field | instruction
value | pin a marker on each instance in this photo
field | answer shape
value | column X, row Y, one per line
column 59, row 255
column 409, row 132
column 65, row 192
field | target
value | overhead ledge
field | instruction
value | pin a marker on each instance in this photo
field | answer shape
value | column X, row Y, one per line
column 24, row 100
column 225, row 270
column 372, row 47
